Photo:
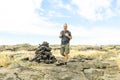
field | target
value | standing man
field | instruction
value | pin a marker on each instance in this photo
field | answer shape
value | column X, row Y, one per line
column 65, row 36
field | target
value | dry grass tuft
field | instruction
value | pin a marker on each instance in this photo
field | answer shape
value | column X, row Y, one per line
column 4, row 60
column 118, row 61
column 111, row 54
column 89, row 53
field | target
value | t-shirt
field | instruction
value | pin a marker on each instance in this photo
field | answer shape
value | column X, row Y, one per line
column 65, row 39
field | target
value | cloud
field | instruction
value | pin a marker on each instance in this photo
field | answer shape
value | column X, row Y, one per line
column 95, row 9
column 23, row 20
column 95, row 32
column 18, row 17
column 37, row 3
column 53, row 13
column 15, row 12
column 4, row 41
column 59, row 4
column 118, row 7
column 95, row 35
column 57, row 8
column 118, row 3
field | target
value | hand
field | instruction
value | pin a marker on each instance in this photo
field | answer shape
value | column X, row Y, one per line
column 66, row 34
column 60, row 35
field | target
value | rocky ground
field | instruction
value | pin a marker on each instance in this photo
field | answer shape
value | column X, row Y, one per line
column 78, row 68
column 96, row 63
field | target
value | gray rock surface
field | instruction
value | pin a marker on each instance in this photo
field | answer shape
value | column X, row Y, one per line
column 75, row 70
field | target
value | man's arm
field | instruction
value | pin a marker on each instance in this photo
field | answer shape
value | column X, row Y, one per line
column 69, row 36
column 60, row 36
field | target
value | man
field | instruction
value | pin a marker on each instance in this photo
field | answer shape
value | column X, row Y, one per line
column 65, row 36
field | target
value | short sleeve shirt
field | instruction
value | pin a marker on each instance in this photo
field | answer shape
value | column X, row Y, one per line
column 65, row 39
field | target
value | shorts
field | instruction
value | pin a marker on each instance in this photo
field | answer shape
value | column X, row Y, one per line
column 65, row 49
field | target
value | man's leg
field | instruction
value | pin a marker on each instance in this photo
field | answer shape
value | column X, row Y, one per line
column 66, row 58
column 67, row 50
column 62, row 50
column 63, row 54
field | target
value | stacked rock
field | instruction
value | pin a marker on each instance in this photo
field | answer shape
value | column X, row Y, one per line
column 43, row 54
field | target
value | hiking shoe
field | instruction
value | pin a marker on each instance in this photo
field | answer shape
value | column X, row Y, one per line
column 65, row 63
column 59, row 64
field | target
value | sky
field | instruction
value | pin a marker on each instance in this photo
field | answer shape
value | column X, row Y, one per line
column 91, row 22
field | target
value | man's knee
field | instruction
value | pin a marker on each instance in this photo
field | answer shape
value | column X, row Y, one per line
column 66, row 54
column 62, row 54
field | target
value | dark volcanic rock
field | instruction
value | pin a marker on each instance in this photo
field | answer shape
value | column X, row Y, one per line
column 77, row 68
column 43, row 54
column 74, row 70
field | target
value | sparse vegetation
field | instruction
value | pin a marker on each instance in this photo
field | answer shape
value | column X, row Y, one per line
column 18, row 47
column 93, row 61
column 9, row 57
column 4, row 60
column 27, row 50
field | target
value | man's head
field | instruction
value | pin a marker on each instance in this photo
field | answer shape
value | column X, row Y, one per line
column 65, row 26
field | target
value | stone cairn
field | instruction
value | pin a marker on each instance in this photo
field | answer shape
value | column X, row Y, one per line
column 43, row 54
